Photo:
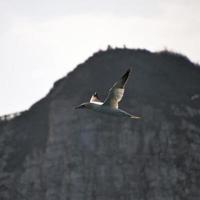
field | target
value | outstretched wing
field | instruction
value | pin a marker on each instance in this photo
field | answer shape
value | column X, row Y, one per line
column 116, row 92
column 94, row 98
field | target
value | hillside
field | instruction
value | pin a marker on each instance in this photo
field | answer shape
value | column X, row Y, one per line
column 54, row 152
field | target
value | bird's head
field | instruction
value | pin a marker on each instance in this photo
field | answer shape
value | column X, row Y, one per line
column 83, row 106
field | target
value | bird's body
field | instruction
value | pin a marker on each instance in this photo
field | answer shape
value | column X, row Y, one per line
column 110, row 105
column 100, row 108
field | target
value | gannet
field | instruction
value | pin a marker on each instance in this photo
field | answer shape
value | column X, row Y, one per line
column 110, row 105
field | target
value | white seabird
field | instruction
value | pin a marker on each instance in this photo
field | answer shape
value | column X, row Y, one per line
column 110, row 105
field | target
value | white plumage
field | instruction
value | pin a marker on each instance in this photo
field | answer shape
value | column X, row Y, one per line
column 110, row 105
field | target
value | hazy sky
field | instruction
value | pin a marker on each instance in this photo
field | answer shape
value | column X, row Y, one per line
column 42, row 40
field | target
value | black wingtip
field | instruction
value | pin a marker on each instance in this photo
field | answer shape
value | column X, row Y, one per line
column 125, row 76
column 128, row 71
column 96, row 95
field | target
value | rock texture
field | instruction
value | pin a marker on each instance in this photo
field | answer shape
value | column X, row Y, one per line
column 53, row 152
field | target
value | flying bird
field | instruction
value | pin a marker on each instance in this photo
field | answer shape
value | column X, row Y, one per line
column 110, row 105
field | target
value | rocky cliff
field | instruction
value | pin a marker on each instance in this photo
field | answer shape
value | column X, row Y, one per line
column 53, row 152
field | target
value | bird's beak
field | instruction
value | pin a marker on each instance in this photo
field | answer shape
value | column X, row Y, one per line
column 78, row 107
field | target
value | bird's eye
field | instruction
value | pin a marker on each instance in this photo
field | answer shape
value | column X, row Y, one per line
column 83, row 106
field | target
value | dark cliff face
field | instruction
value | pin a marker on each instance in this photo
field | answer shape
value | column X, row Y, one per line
column 54, row 152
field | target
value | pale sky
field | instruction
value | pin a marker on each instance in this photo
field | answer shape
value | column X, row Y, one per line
column 42, row 40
